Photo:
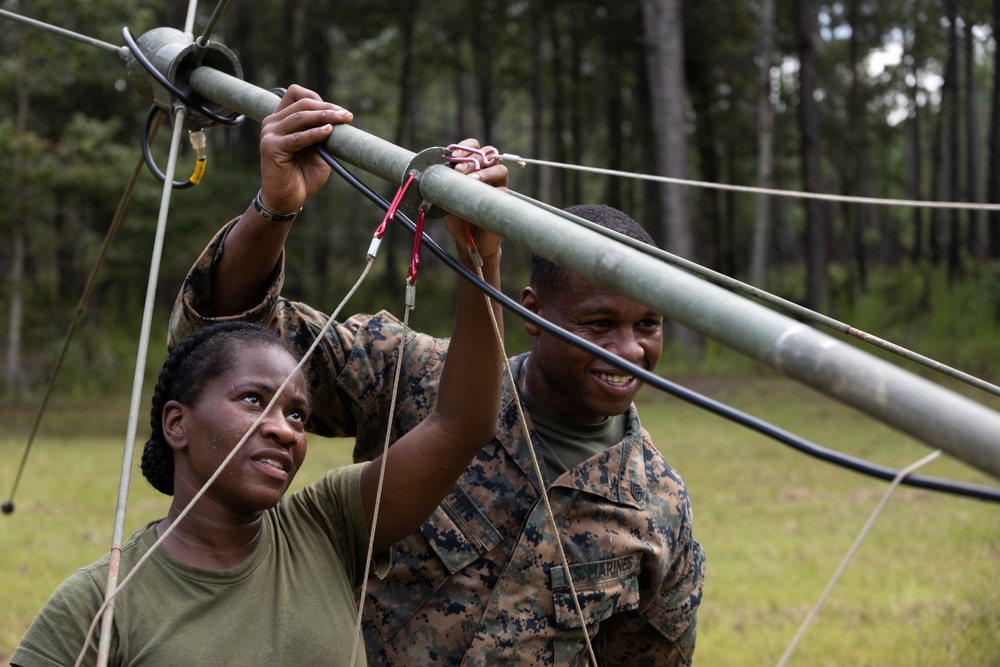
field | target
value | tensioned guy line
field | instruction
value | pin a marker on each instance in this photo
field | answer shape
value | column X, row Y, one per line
column 799, row 194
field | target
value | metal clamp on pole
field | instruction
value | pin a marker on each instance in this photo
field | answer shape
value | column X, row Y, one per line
column 157, row 62
column 412, row 199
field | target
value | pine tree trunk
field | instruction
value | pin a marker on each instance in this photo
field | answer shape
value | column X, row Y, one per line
column 537, row 102
column 482, row 58
column 862, row 215
column 950, row 109
column 993, row 187
column 914, row 144
column 765, row 149
column 15, row 322
column 977, row 234
column 558, row 117
column 816, row 224
column 665, row 55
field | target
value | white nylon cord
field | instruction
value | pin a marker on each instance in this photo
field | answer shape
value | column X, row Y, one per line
column 107, row 608
column 381, row 480
column 522, row 161
column 543, row 491
column 541, row 480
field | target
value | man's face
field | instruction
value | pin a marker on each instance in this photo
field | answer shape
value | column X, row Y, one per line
column 572, row 383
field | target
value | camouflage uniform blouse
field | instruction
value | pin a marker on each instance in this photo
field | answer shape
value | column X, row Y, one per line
column 481, row 582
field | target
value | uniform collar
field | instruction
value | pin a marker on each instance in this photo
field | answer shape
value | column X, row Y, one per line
column 618, row 474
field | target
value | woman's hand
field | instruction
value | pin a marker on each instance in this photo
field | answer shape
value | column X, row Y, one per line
column 486, row 241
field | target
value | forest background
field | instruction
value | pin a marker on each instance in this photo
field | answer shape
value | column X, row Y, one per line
column 894, row 99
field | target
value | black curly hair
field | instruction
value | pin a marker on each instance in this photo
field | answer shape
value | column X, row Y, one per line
column 204, row 355
column 546, row 275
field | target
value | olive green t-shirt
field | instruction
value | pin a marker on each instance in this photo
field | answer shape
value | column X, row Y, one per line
column 565, row 443
column 291, row 602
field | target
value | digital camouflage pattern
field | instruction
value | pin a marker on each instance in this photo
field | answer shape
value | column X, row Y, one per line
column 481, row 583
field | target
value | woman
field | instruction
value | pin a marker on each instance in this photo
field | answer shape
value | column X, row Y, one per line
column 249, row 576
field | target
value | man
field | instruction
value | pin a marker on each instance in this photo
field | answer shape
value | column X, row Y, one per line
column 482, row 582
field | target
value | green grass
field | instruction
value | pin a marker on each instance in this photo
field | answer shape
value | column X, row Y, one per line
column 775, row 525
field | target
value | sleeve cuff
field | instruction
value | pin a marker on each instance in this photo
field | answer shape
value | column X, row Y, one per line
column 193, row 307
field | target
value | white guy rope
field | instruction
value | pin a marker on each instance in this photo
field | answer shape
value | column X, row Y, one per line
column 381, row 480
column 853, row 550
column 140, row 367
column 777, row 301
column 522, row 161
column 543, row 489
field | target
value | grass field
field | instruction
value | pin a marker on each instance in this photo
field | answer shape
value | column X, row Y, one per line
column 775, row 524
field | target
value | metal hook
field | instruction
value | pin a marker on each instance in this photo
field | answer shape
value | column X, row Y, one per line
column 487, row 155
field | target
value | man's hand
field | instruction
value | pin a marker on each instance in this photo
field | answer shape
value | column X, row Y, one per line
column 290, row 172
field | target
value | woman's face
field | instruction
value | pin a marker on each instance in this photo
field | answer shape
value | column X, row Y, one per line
column 260, row 473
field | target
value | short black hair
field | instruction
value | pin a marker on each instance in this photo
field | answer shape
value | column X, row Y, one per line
column 546, row 274
column 200, row 357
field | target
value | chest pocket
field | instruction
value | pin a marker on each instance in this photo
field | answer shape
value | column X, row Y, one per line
column 459, row 532
column 603, row 588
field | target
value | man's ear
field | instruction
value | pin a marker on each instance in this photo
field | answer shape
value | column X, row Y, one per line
column 173, row 425
column 531, row 301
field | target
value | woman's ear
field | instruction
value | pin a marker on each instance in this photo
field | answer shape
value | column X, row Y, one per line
column 173, row 424
column 530, row 300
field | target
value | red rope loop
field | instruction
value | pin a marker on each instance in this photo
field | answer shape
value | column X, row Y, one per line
column 390, row 213
column 418, row 237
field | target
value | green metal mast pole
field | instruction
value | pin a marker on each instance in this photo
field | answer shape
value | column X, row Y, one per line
column 966, row 429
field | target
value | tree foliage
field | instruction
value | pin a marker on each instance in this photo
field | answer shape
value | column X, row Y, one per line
column 899, row 100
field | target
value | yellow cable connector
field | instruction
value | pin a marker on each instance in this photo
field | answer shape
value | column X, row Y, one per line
column 197, row 139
